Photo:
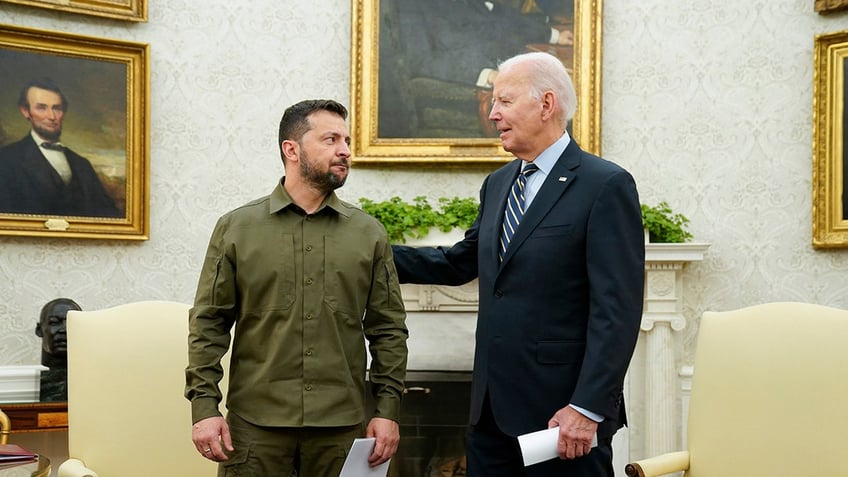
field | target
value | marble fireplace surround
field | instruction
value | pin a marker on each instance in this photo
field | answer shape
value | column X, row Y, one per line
column 442, row 321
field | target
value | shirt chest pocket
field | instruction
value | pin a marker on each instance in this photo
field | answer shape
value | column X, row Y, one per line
column 266, row 273
column 348, row 273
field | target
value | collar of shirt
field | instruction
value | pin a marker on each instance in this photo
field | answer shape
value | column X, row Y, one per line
column 280, row 199
column 545, row 162
column 39, row 140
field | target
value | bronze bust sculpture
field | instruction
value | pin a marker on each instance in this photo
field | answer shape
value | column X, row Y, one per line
column 54, row 348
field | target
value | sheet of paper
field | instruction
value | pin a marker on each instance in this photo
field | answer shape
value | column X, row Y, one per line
column 356, row 464
column 541, row 445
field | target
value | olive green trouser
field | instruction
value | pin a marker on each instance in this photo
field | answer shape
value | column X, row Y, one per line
column 287, row 451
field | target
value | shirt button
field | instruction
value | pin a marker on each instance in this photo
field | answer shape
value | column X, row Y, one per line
column 309, row 352
column 308, row 387
column 309, row 281
column 309, row 316
column 309, row 248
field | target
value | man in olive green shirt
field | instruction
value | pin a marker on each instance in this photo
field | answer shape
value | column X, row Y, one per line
column 304, row 278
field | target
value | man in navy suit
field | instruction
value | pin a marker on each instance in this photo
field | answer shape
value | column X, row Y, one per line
column 38, row 174
column 560, row 296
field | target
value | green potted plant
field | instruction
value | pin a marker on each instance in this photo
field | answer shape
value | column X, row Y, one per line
column 663, row 225
column 415, row 219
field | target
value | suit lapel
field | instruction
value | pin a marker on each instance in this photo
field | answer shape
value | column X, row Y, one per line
column 562, row 175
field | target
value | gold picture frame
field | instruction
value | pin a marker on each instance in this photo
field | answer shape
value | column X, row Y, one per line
column 103, row 126
column 131, row 10
column 377, row 39
column 830, row 213
column 830, row 6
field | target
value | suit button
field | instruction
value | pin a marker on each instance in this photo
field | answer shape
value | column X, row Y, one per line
column 498, row 293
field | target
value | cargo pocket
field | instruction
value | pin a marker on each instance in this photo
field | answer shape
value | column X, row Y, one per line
column 237, row 465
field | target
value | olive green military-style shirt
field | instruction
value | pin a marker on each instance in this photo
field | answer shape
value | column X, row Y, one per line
column 304, row 292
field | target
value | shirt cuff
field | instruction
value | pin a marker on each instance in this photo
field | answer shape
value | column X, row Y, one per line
column 591, row 415
column 388, row 408
column 204, row 407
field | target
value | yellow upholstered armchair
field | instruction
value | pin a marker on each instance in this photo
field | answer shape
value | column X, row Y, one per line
column 768, row 396
column 126, row 412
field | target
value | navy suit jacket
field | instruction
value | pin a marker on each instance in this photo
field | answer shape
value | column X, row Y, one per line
column 559, row 317
column 30, row 185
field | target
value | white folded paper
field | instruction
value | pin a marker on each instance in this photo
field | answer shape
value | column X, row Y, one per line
column 356, row 464
column 541, row 445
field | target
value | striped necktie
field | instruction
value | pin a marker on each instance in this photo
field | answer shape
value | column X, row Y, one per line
column 514, row 208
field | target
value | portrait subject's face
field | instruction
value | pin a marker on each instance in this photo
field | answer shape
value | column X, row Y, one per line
column 325, row 151
column 45, row 112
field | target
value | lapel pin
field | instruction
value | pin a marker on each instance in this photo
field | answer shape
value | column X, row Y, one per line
column 563, row 179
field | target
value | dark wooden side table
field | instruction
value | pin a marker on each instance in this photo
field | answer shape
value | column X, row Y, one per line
column 37, row 416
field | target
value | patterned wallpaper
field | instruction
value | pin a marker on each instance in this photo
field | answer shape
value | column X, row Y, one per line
column 708, row 104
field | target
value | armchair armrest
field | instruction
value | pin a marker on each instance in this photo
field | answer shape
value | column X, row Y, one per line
column 659, row 465
column 5, row 427
column 75, row 468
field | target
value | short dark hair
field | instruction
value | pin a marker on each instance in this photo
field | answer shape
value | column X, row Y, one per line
column 42, row 83
column 295, row 123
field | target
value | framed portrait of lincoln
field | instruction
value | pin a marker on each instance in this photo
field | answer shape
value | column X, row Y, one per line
column 74, row 159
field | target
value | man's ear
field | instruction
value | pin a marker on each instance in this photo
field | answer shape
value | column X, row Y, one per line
column 25, row 111
column 38, row 331
column 290, row 149
column 549, row 101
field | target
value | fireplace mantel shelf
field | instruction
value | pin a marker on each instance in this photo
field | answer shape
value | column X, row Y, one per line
column 675, row 252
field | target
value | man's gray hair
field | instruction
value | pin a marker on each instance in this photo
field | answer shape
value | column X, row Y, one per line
column 548, row 74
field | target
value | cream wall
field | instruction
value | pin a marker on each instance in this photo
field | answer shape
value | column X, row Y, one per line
column 707, row 103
